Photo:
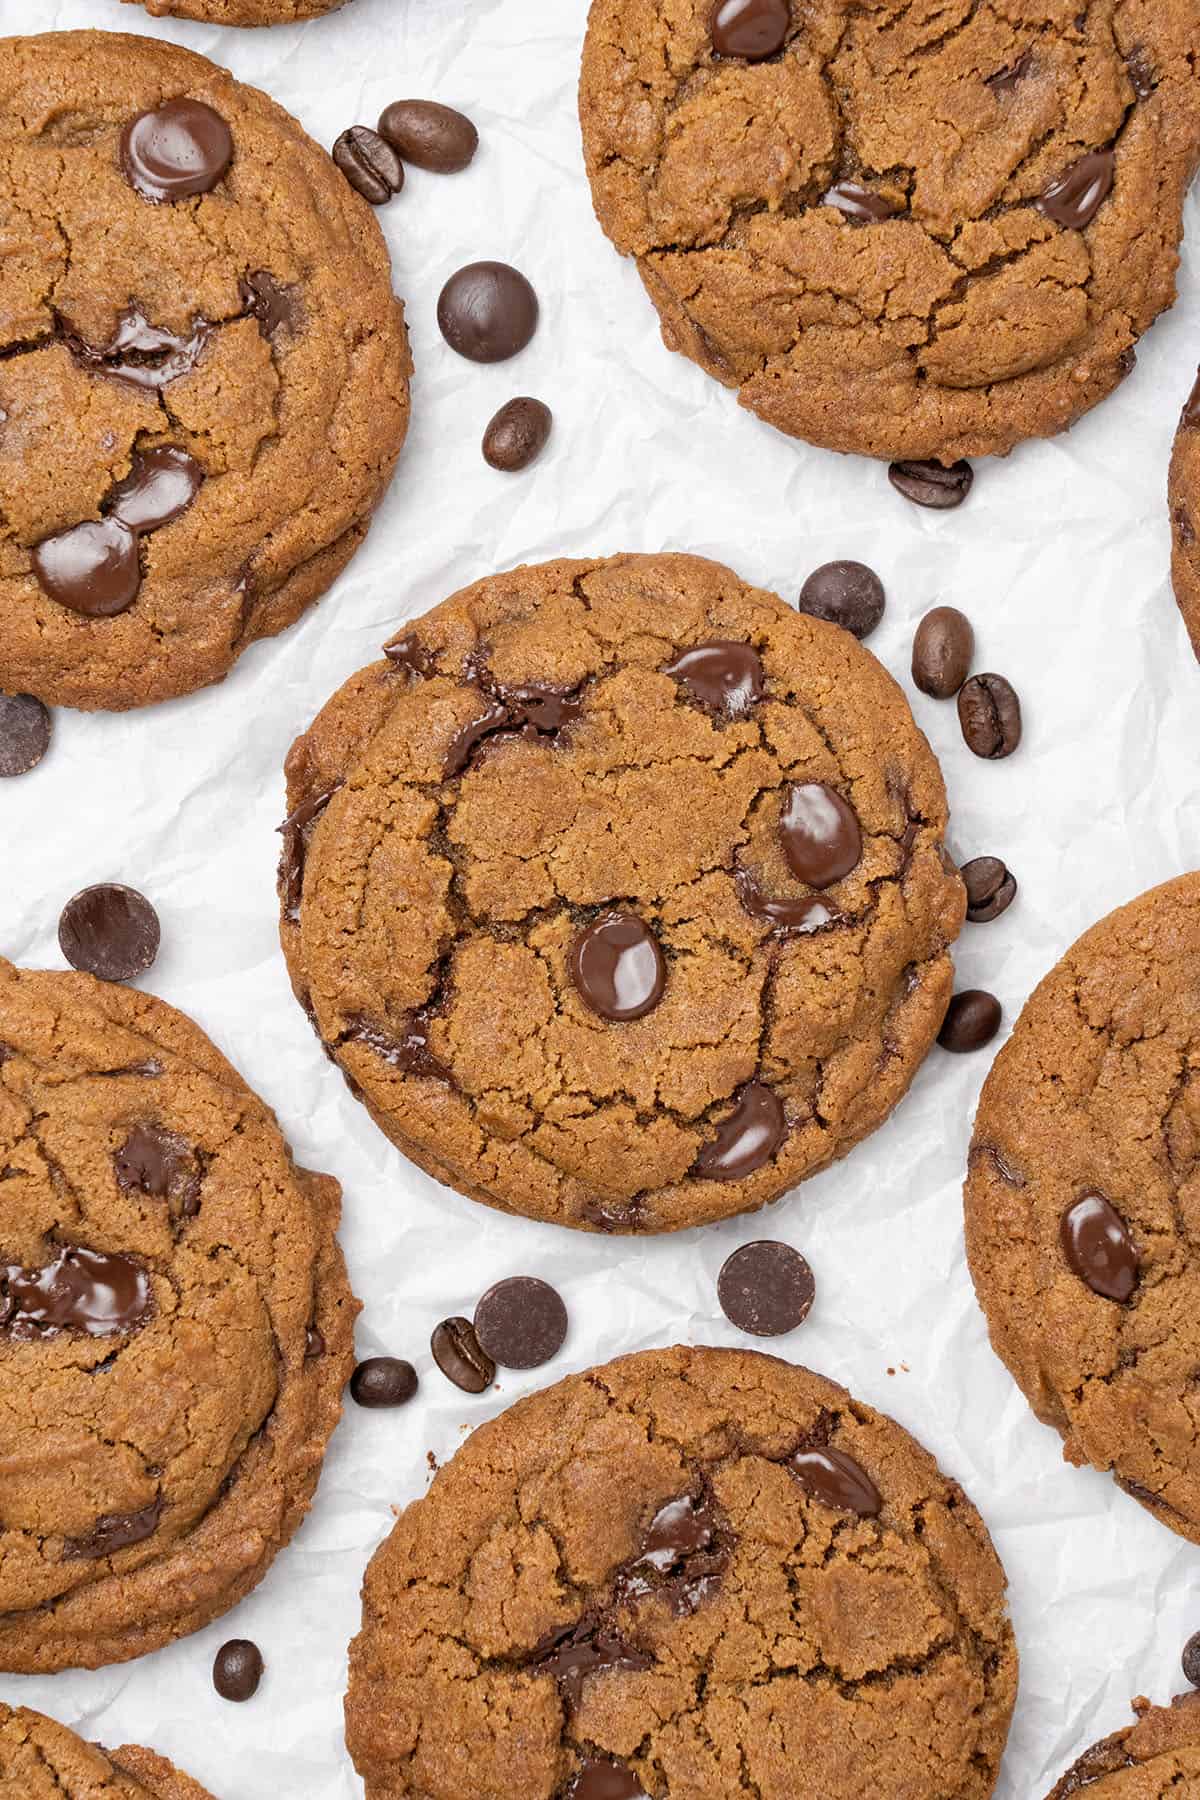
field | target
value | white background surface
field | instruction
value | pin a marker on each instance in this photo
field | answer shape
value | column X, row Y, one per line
column 1059, row 557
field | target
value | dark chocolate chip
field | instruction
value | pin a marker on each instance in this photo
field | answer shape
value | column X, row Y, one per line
column 459, row 1355
column 617, row 967
column 237, row 1669
column 95, row 1292
column 369, row 163
column 836, row 1480
column 429, row 135
column 489, row 716
column 766, row 1288
column 1142, row 74
column 141, row 354
column 846, row 594
column 517, row 434
column 25, row 728
column 582, row 1652
column 820, row 833
column 487, row 311
column 722, row 676
column 1191, row 1659
column 972, row 1020
column 1074, row 198
column 314, row 1344
column 408, row 652
column 113, row 1532
column 92, row 568
column 383, row 1381
column 545, row 708
column 409, row 1052
column 161, row 484
column 751, row 29
column 929, row 484
column 808, row 914
column 276, row 307
column 182, row 148
column 943, row 646
column 1098, row 1247
column 747, row 1139
column 991, row 888
column 1190, row 416
column 147, row 1161
column 1006, row 80
column 110, row 931
column 521, row 1323
column 599, row 1778
column 296, row 831
column 989, row 713
column 861, row 204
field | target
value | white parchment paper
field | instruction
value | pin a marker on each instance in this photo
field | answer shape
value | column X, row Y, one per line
column 1060, row 558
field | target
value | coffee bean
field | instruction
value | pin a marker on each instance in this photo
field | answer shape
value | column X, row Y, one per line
column 459, row 1355
column 487, row 311
column 24, row 733
column 991, row 889
column 846, row 594
column 930, row 484
column 942, row 650
column 369, row 164
column 972, row 1020
column 1191, row 1659
column 383, row 1381
column 517, row 434
column 990, row 715
column 521, row 1323
column 766, row 1288
column 429, row 136
column 237, row 1669
column 110, row 931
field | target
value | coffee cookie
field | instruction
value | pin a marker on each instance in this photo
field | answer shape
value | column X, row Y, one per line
column 689, row 1573
column 241, row 12
column 1083, row 1183
column 907, row 235
column 1184, row 499
column 617, row 890
column 175, row 1326
column 1158, row 1758
column 42, row 1760
column 203, row 370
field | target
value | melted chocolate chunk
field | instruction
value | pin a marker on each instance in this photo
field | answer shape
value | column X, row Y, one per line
column 587, row 1650
column 808, row 914
column 147, row 1161
column 617, row 967
column 490, row 716
column 161, row 484
column 861, row 204
column 408, row 652
column 820, row 833
column 141, row 354
column 747, row 1139
column 530, row 711
column 600, row 1778
column 276, row 307
column 682, row 1558
column 113, row 1532
column 296, row 830
column 722, row 676
column 409, row 1053
column 91, row 568
column 750, row 29
column 1190, row 417
column 179, row 149
column 836, row 1480
column 1099, row 1248
column 547, row 709
column 90, row 1291
column 1006, row 80
column 1074, row 198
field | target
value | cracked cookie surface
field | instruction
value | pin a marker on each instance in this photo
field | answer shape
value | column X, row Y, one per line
column 1184, row 500
column 848, row 231
column 41, row 1760
column 1158, row 1758
column 632, row 1568
column 251, row 327
column 175, row 1326
column 1081, row 1200
column 636, row 737
column 241, row 12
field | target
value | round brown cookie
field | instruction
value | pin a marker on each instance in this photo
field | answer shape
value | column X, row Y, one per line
column 706, row 1567
column 241, row 12
column 175, row 1326
column 898, row 233
column 203, row 369
column 1080, row 1198
column 1158, row 1758
column 617, row 890
column 42, row 1760
column 1184, row 500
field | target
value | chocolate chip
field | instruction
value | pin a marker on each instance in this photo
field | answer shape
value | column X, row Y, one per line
column 990, row 716
column 383, row 1381
column 369, row 164
column 237, row 1669
column 820, row 833
column 1006, row 80
column 1191, row 1659
column 766, row 1288
column 991, row 888
column 110, row 931
column 1190, row 416
column 113, row 1532
column 459, row 1355
column 182, row 148
column 1074, row 198
column 521, row 1323
column 1098, row 1247
column 429, row 135
column 942, row 650
column 25, row 728
column 972, row 1020
column 599, row 1778
column 929, row 484
column 745, row 1140
column 750, row 28
column 846, row 594
column 723, row 676
column 583, row 1651
column 407, row 1050
column 490, row 716
column 314, row 1344
column 487, row 312
column 862, row 204
column 836, row 1480
column 517, row 434
column 95, row 1292
column 147, row 1161
column 617, row 967
column 276, row 307
column 408, row 652
column 808, row 914
column 161, row 484
column 92, row 568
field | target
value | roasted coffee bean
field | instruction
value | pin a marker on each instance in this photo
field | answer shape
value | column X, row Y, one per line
column 929, row 484
column 990, row 715
column 369, row 163
column 846, row 594
column 458, row 1354
column 942, row 650
column 429, row 136
column 383, row 1381
column 972, row 1020
column 517, row 435
column 991, row 889
column 237, row 1669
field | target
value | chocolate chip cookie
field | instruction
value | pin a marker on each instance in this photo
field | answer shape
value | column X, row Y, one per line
column 175, row 1326
column 1081, row 1200
column 688, row 1573
column 904, row 231
column 42, row 1760
column 241, row 12
column 617, row 890
column 203, row 370
column 1158, row 1758
column 1184, row 499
